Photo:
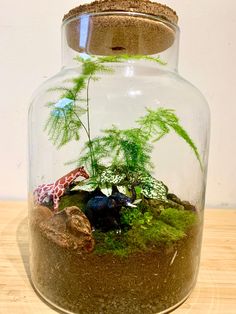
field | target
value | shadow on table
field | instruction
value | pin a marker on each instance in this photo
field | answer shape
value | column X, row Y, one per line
column 22, row 239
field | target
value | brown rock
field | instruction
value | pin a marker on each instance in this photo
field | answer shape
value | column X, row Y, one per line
column 69, row 229
column 174, row 198
column 185, row 204
column 77, row 222
column 189, row 206
column 40, row 213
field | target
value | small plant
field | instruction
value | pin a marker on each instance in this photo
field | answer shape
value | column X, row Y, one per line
column 134, row 217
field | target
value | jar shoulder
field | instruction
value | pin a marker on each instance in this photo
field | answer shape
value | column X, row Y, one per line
column 183, row 83
column 169, row 87
column 182, row 91
column 53, row 82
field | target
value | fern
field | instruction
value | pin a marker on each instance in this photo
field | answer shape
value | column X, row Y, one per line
column 120, row 147
column 115, row 151
column 64, row 123
column 158, row 123
column 129, row 151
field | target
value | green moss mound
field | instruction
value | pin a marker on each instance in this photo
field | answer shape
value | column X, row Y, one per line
column 179, row 219
column 111, row 242
column 144, row 231
column 76, row 199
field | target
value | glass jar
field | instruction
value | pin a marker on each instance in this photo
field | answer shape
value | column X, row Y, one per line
column 118, row 148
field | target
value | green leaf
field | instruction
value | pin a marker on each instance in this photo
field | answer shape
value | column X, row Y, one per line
column 152, row 188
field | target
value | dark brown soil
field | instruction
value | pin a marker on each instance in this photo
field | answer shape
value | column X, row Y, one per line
column 145, row 282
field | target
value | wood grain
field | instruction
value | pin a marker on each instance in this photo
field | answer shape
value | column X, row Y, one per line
column 215, row 291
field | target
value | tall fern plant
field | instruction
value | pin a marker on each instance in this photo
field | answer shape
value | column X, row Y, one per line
column 126, row 150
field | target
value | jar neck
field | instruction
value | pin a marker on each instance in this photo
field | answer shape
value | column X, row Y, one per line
column 120, row 33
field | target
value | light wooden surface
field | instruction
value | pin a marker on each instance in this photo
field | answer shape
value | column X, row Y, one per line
column 214, row 293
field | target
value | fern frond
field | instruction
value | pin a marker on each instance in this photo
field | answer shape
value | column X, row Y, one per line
column 158, row 123
column 116, row 147
column 63, row 125
column 128, row 150
column 184, row 135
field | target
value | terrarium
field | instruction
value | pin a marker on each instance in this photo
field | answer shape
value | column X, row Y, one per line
column 118, row 148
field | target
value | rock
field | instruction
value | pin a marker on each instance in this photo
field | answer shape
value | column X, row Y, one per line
column 77, row 223
column 176, row 205
column 189, row 206
column 69, row 229
column 40, row 213
column 153, row 203
column 185, row 204
column 173, row 198
column 156, row 206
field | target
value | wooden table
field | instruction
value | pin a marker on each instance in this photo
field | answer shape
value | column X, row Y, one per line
column 214, row 293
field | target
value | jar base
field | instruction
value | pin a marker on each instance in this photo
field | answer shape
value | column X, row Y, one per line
column 61, row 310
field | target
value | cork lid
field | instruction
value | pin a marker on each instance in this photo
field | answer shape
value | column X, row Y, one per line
column 114, row 27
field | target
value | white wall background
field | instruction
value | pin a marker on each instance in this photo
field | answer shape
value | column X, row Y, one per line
column 30, row 53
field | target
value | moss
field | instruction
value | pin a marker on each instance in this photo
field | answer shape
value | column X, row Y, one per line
column 110, row 242
column 145, row 231
column 179, row 219
column 78, row 199
column 144, row 227
column 132, row 216
column 154, row 235
column 161, row 232
column 170, row 226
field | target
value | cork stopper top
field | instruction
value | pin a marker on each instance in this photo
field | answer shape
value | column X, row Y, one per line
column 140, row 6
column 104, row 27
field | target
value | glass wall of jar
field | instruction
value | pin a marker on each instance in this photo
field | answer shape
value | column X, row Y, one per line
column 118, row 148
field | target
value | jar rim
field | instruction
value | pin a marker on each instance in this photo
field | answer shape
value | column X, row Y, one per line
column 157, row 18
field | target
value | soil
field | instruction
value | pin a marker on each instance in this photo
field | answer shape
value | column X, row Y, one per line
column 84, row 282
